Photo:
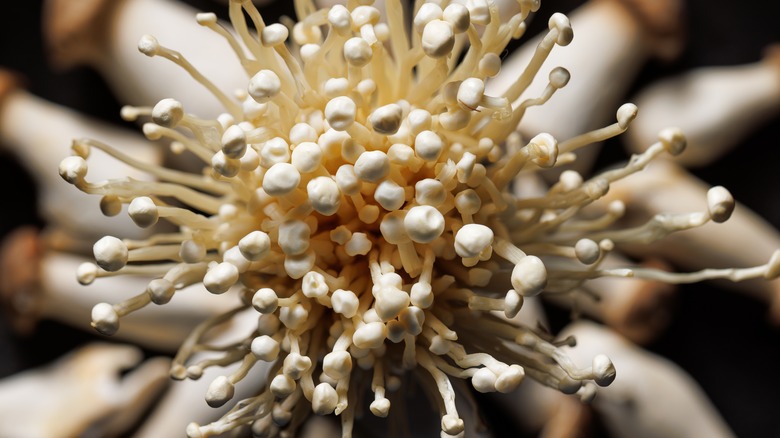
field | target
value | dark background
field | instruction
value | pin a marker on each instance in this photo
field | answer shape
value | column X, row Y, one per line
column 724, row 340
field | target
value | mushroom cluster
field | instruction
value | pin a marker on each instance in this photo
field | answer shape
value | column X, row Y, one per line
column 359, row 195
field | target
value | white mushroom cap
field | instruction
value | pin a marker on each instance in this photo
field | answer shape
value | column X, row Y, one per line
column 337, row 364
column 484, row 380
column 358, row 244
column 340, row 112
column 143, row 211
column 264, row 86
column 369, row 336
column 390, row 195
column 294, row 237
column 720, row 204
column 357, row 52
column 281, row 179
column 224, row 165
column 234, row 142
column 275, row 150
column 86, row 273
column 105, row 319
column 148, row 45
column 457, row 15
column 587, row 251
column 380, row 407
column 265, row 300
column 427, row 13
column 429, row 191
column 282, row 385
column 168, row 113
column 428, row 145
column 372, row 166
column 345, row 302
column 274, row 34
column 255, row 245
column 563, row 25
column 160, row 290
column 313, row 285
column 307, row 157
column 192, row 251
column 324, row 399
column 438, row 38
column 220, row 392
column 265, row 348
column 510, row 378
column 472, row 240
column 110, row 253
column 673, row 139
column 340, row 19
column 423, row 223
column 220, row 278
column 603, row 370
column 324, row 195
column 73, row 169
column 386, row 119
column 529, row 276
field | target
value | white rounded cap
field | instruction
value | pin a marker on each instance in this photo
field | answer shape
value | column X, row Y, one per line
column 337, row 364
column 86, row 273
column 324, row 195
column 380, row 407
column 313, row 285
column 143, row 211
column 168, row 112
column 294, row 237
column 357, row 52
column 281, row 179
column 720, row 204
column 529, row 276
column 324, row 399
column 105, row 319
column 472, row 240
column 220, row 392
column 484, row 380
column 275, row 150
column 390, row 195
column 429, row 191
column 424, row 223
column 372, row 166
column 265, row 300
column 603, row 370
column 307, row 157
column 220, row 278
column 265, row 348
column 110, row 253
column 673, row 139
column 428, row 145
column 587, row 251
column 234, row 142
column 438, row 38
column 264, row 86
column 340, row 112
column 282, row 386
column 73, row 169
column 370, row 336
column 386, row 119
column 274, row 34
column 345, row 302
column 160, row 290
column 255, row 245
column 192, row 251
